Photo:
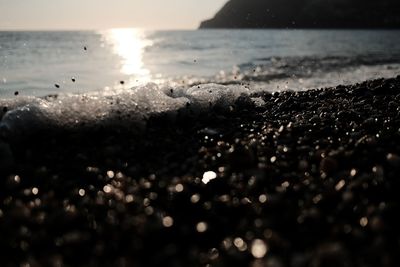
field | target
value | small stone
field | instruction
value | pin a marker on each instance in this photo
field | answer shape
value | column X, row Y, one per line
column 208, row 176
column 328, row 165
column 259, row 248
column 393, row 160
column 376, row 224
column 168, row 221
column 213, row 254
column 201, row 227
column 364, row 221
column 303, row 165
column 331, row 255
column 243, row 157
column 340, row 185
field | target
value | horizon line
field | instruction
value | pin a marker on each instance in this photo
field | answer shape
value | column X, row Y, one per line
column 171, row 29
column 95, row 29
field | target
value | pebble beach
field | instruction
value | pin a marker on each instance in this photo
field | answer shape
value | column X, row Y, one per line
column 295, row 179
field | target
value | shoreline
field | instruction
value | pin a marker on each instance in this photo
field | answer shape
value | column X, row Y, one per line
column 313, row 175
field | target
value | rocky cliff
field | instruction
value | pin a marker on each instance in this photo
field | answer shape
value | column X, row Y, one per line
column 307, row 14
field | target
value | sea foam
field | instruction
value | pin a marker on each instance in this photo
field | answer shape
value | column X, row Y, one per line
column 111, row 107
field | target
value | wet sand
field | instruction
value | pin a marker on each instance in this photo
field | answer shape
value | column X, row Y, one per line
column 300, row 179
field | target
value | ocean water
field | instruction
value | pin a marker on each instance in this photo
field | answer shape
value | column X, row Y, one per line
column 33, row 62
column 66, row 78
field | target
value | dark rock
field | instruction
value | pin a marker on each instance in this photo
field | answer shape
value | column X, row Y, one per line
column 393, row 160
column 328, row 165
column 306, row 14
column 242, row 158
column 331, row 255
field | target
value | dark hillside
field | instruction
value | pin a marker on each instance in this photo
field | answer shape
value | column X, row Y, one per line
column 306, row 14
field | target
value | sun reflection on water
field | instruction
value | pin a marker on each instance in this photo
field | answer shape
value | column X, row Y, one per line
column 129, row 45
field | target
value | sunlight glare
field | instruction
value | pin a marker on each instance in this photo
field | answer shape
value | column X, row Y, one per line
column 129, row 44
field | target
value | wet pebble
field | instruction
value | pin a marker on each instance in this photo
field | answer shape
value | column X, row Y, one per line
column 393, row 160
column 328, row 165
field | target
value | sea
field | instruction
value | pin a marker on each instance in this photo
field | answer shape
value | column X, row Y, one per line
column 73, row 76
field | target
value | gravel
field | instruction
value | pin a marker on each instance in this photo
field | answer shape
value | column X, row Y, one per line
column 304, row 179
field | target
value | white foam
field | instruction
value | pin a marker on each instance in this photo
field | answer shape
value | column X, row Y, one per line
column 111, row 107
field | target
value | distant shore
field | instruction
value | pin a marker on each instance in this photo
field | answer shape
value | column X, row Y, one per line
column 297, row 179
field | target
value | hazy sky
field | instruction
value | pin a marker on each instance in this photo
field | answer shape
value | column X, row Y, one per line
column 102, row 14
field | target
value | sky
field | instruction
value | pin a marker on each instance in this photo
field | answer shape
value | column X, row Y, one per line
column 104, row 14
